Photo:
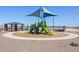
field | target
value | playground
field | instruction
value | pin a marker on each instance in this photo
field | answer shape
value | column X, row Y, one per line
column 39, row 37
column 40, row 30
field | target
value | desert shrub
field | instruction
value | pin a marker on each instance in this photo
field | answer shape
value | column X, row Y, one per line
column 74, row 44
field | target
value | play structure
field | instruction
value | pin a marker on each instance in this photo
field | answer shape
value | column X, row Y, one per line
column 41, row 27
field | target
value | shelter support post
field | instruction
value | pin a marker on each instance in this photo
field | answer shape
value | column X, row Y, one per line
column 22, row 27
column 5, row 27
column 11, row 27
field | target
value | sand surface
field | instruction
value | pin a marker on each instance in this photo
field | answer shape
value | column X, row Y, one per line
column 26, row 34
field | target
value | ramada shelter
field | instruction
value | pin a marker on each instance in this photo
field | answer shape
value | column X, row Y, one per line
column 13, row 26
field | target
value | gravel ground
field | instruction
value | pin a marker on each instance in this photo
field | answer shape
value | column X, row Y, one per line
column 14, row 45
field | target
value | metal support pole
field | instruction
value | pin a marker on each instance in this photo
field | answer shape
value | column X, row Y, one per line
column 53, row 24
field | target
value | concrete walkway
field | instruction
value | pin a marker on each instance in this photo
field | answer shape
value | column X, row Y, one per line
column 69, row 36
column 20, row 45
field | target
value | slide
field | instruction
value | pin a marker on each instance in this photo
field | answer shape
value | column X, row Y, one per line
column 46, row 29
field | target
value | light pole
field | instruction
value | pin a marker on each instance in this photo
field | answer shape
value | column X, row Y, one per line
column 53, row 24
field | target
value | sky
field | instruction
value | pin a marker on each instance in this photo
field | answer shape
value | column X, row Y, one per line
column 67, row 15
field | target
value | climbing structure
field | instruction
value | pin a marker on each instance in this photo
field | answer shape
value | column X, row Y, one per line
column 41, row 27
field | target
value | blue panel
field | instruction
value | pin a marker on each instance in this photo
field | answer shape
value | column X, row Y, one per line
column 47, row 15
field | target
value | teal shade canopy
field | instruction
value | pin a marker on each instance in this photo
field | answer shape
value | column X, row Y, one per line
column 42, row 13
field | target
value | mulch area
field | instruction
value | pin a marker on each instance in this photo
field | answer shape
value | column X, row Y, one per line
column 25, row 34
